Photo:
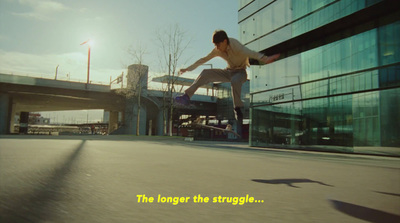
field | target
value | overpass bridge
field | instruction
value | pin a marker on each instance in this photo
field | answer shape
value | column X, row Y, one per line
column 29, row 94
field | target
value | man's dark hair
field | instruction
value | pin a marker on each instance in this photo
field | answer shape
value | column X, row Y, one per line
column 219, row 36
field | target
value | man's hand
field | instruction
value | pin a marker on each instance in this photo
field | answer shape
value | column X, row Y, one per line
column 181, row 71
column 270, row 59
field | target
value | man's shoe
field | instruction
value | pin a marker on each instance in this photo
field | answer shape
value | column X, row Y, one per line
column 239, row 118
column 183, row 100
column 238, row 114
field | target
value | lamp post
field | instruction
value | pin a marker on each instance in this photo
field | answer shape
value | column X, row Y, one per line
column 89, row 43
column 55, row 78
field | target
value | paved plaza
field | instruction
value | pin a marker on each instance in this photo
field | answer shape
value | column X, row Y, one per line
column 163, row 179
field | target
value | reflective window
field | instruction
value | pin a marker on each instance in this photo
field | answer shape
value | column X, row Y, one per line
column 243, row 3
column 337, row 97
column 276, row 21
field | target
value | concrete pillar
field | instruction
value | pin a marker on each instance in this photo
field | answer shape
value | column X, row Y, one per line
column 143, row 120
column 23, row 122
column 160, row 123
column 150, row 127
column 113, row 121
column 121, row 117
column 129, row 116
column 14, row 117
column 4, row 113
column 13, row 113
column 131, row 119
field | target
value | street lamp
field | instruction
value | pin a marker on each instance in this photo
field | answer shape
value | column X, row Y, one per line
column 55, row 78
column 89, row 42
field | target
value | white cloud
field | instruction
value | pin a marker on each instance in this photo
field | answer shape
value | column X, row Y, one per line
column 40, row 9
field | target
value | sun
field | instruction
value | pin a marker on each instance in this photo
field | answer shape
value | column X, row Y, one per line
column 90, row 42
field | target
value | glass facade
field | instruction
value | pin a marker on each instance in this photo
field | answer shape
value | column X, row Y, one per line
column 343, row 93
column 225, row 101
column 265, row 23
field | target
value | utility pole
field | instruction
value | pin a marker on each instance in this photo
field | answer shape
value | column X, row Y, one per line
column 55, row 78
column 88, row 42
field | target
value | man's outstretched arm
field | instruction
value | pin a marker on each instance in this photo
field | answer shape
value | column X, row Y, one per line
column 198, row 62
column 253, row 54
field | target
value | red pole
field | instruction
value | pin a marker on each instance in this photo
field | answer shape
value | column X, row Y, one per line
column 88, row 66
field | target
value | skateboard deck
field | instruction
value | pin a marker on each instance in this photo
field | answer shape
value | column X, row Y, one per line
column 182, row 106
column 179, row 105
column 216, row 128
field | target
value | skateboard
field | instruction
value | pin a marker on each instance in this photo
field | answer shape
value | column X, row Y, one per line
column 176, row 104
column 182, row 106
column 228, row 128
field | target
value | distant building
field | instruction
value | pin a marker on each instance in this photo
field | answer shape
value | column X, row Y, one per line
column 37, row 119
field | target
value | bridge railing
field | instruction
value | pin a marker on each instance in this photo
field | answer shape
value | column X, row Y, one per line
column 59, row 78
column 151, row 86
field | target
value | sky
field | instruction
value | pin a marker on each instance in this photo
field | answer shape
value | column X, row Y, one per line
column 39, row 36
column 36, row 36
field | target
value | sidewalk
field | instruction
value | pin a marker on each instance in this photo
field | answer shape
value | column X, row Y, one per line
column 369, row 151
column 166, row 179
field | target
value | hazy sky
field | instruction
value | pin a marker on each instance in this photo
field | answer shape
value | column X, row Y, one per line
column 38, row 35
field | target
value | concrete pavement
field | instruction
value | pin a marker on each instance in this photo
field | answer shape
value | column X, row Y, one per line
column 101, row 178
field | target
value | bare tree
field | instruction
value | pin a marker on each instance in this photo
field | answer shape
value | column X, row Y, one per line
column 172, row 42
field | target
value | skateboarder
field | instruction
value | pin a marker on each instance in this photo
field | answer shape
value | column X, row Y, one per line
column 237, row 57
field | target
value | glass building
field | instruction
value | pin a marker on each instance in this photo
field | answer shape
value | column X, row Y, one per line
column 337, row 83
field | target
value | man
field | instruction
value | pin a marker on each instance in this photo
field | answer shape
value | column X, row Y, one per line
column 237, row 57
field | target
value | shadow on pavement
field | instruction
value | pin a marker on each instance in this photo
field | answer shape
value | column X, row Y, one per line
column 289, row 182
column 386, row 193
column 36, row 206
column 364, row 213
column 173, row 140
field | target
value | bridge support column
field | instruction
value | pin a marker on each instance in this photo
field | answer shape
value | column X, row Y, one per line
column 13, row 113
column 23, row 122
column 131, row 112
column 5, row 113
column 113, row 121
column 160, row 123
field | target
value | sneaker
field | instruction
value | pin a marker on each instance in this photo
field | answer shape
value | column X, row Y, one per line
column 239, row 126
column 183, row 100
column 238, row 114
column 239, row 120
